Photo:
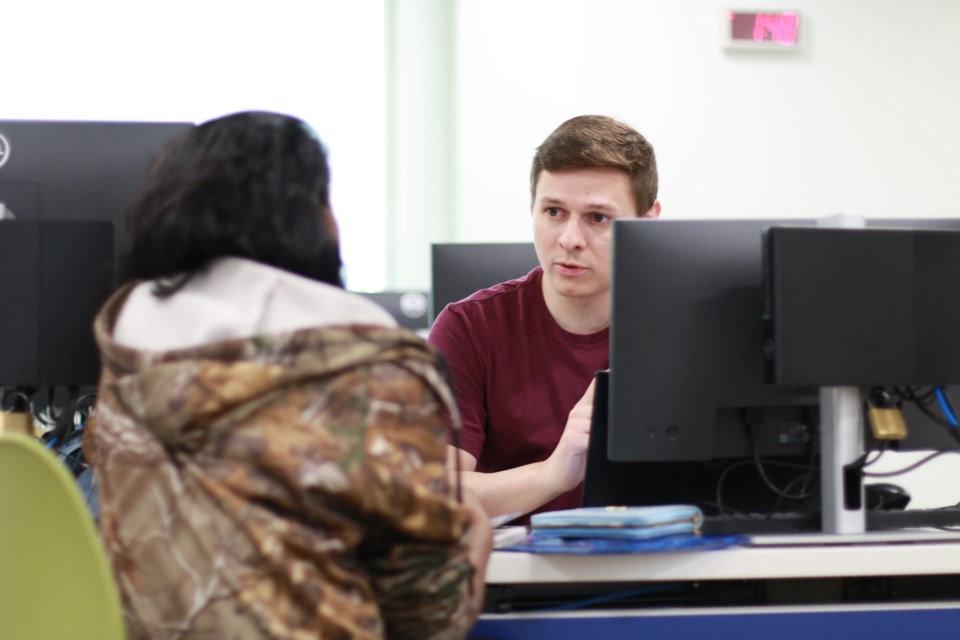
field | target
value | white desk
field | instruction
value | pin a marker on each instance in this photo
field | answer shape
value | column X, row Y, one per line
column 911, row 556
column 893, row 589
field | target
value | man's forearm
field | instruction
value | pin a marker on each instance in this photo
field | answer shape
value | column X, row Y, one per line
column 521, row 489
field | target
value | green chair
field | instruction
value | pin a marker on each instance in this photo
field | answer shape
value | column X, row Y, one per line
column 55, row 580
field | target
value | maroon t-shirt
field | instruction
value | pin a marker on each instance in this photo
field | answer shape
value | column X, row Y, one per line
column 517, row 374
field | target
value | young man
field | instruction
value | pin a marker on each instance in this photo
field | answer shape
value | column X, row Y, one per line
column 524, row 353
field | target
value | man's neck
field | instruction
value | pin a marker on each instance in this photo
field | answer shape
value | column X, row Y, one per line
column 582, row 316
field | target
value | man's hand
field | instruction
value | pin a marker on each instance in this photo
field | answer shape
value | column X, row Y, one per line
column 567, row 463
column 529, row 486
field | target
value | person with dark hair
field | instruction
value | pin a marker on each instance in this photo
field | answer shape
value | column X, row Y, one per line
column 524, row 352
column 269, row 449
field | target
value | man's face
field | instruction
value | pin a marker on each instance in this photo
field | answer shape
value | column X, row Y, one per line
column 573, row 212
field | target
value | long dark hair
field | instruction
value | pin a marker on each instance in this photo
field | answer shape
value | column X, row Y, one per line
column 252, row 185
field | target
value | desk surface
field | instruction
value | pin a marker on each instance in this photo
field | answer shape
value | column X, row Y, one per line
column 915, row 554
column 878, row 589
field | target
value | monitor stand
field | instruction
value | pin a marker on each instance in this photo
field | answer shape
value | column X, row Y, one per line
column 841, row 444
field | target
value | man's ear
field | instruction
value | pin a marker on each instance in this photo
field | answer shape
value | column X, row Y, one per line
column 654, row 211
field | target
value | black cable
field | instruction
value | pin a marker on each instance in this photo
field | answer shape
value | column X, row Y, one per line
column 71, row 454
column 14, row 400
column 750, row 462
column 924, row 408
column 758, row 464
column 761, row 471
column 610, row 597
column 38, row 415
column 884, row 445
column 807, row 489
column 722, row 478
column 727, row 514
column 64, row 419
column 911, row 394
column 862, row 462
column 923, row 402
column 915, row 465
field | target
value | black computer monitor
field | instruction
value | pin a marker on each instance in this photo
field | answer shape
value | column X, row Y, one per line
column 460, row 269
column 689, row 408
column 688, row 405
column 54, row 276
column 861, row 307
column 67, row 186
column 77, row 170
column 686, row 345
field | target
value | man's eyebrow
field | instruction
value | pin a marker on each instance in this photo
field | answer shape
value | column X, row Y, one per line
column 601, row 206
column 592, row 206
column 547, row 200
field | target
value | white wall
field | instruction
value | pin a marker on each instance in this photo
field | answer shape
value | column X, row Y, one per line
column 182, row 60
column 861, row 120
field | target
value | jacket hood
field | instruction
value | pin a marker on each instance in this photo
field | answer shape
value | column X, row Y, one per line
column 183, row 395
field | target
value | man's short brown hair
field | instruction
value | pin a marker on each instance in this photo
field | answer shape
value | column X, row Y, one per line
column 600, row 141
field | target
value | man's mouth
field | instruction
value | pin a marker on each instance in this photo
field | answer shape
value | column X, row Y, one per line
column 569, row 268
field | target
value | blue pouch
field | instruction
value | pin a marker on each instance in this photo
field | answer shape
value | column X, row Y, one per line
column 630, row 523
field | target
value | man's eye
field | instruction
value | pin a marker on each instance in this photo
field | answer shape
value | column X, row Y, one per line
column 599, row 217
column 553, row 211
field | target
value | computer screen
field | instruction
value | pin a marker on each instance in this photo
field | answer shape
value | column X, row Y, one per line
column 461, row 269
column 65, row 187
column 76, row 170
column 862, row 306
column 687, row 396
column 54, row 276
column 689, row 407
column 686, row 345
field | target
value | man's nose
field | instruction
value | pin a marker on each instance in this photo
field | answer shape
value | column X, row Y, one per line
column 571, row 237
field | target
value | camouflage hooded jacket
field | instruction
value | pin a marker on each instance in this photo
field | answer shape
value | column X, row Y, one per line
column 285, row 486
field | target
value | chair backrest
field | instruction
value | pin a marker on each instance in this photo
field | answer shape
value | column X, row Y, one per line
column 55, row 580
